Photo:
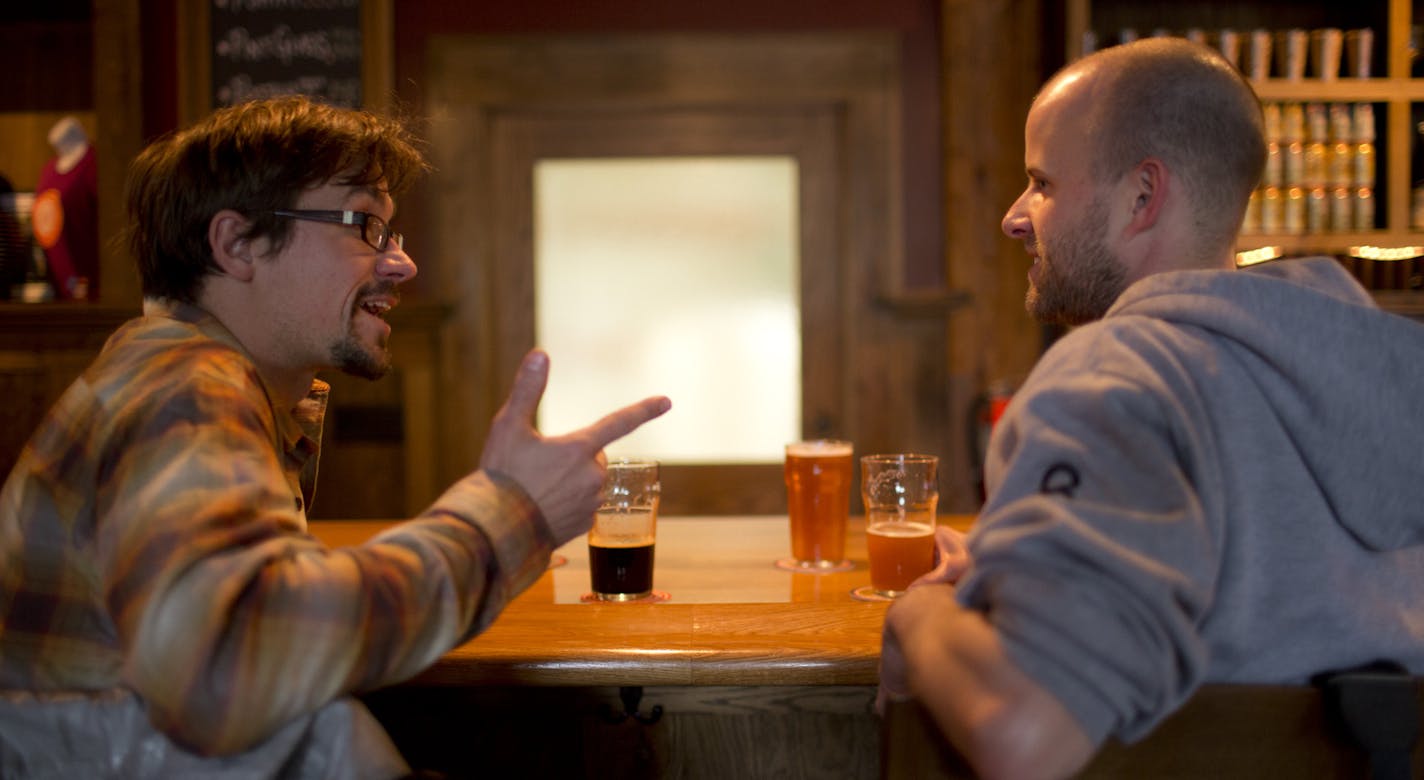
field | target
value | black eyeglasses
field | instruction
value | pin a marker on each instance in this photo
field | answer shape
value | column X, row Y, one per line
column 374, row 230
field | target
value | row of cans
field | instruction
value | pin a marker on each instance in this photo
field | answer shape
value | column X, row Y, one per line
column 1317, row 165
column 1300, row 210
column 1319, row 122
column 1416, row 216
column 1318, row 145
column 1262, row 54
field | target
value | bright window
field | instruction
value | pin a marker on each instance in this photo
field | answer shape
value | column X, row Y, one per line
column 674, row 276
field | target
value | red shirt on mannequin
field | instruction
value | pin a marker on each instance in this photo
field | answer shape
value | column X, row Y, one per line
column 66, row 213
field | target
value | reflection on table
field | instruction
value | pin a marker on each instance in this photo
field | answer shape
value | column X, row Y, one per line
column 732, row 617
column 713, row 560
column 747, row 670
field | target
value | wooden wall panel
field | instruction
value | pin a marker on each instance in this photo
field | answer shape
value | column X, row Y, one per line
column 876, row 379
column 992, row 69
column 989, row 54
column 819, row 731
column 118, row 109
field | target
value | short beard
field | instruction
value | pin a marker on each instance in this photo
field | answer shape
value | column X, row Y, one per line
column 352, row 358
column 1091, row 282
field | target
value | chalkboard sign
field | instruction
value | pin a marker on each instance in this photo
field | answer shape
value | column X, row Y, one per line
column 337, row 51
column 264, row 48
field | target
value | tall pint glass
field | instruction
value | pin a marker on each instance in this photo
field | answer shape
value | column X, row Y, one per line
column 818, row 482
column 624, row 532
column 901, row 494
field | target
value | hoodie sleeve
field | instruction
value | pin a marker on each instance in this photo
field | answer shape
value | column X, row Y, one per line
column 1095, row 557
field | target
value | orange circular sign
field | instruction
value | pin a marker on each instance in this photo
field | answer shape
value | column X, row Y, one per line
column 47, row 218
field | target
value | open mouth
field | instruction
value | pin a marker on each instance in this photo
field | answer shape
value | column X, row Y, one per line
column 376, row 308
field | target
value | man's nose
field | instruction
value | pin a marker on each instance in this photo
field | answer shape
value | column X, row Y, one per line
column 397, row 264
column 1016, row 224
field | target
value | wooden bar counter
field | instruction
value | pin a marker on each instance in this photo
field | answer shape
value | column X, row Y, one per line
column 744, row 667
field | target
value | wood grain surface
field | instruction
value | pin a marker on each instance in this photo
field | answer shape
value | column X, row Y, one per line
column 732, row 618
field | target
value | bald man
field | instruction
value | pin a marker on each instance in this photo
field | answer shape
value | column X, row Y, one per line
column 1215, row 477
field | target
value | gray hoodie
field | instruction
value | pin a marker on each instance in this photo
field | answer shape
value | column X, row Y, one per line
column 1219, row 481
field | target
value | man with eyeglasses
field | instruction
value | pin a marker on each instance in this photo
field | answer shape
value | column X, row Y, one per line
column 163, row 611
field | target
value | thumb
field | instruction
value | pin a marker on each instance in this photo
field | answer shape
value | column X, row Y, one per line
column 951, row 545
column 952, row 558
column 529, row 383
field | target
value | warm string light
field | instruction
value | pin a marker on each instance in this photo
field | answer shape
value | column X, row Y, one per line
column 1387, row 253
column 1254, row 256
column 1380, row 253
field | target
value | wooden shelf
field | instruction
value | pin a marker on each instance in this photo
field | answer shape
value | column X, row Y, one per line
column 1394, row 88
column 1329, row 243
column 1386, row 90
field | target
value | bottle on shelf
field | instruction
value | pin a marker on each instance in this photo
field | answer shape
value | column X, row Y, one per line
column 1416, row 220
column 1335, row 125
column 1363, row 163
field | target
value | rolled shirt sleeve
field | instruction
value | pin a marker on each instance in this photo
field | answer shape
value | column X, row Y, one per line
column 234, row 620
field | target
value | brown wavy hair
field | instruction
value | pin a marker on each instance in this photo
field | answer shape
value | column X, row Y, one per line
column 254, row 158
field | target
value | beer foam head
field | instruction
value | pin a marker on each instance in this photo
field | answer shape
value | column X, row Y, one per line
column 820, row 448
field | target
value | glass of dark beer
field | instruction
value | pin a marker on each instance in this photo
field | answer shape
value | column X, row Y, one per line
column 620, row 544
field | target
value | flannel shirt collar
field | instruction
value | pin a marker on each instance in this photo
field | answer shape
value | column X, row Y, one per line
column 298, row 429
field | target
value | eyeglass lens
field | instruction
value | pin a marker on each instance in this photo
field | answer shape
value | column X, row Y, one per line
column 377, row 233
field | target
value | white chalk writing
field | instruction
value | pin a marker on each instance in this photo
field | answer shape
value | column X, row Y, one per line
column 341, row 92
column 237, row 6
column 282, row 45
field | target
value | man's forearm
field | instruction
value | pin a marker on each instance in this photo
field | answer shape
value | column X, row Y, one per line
column 1004, row 723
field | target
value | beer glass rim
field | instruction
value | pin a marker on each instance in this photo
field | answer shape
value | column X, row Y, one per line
column 906, row 457
column 632, row 463
column 806, row 447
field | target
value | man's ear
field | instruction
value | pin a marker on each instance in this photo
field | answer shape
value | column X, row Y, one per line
column 1149, row 189
column 232, row 249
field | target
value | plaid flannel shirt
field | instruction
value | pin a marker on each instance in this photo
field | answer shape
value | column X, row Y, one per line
column 153, row 540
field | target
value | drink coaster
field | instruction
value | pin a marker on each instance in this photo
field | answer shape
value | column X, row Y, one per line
column 868, row 593
column 653, row 597
column 790, row 564
column 556, row 560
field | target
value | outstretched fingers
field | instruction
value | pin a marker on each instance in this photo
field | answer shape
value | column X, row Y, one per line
column 528, row 389
column 616, row 425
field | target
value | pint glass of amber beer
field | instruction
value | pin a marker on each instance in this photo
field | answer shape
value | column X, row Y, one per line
column 620, row 543
column 818, row 480
column 900, row 493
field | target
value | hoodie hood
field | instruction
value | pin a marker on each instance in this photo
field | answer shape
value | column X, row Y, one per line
column 1320, row 333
